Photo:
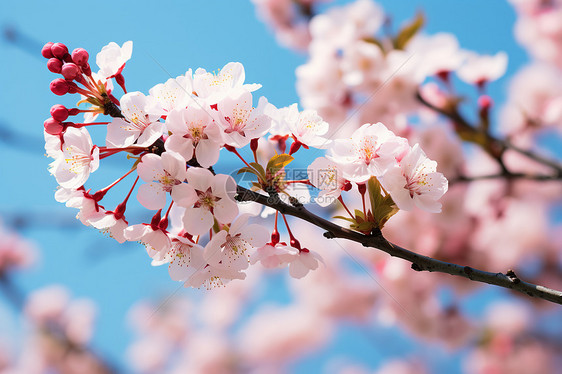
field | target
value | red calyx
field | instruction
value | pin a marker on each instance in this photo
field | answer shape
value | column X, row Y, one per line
column 295, row 244
column 155, row 222
column 120, row 211
column 254, row 144
column 362, row 187
column 295, row 147
column 275, row 237
column 347, row 186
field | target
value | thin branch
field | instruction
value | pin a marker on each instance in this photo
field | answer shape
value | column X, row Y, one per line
column 497, row 146
column 419, row 262
column 505, row 175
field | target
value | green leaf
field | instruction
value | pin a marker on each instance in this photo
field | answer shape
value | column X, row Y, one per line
column 345, row 218
column 409, row 31
column 382, row 207
column 259, row 169
column 364, row 226
column 376, row 42
column 359, row 214
column 278, row 161
column 246, row 169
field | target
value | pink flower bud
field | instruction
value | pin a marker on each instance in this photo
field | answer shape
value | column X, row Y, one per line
column 485, row 102
column 59, row 50
column 80, row 56
column 52, row 126
column 46, row 50
column 54, row 65
column 70, row 71
column 59, row 112
column 59, row 87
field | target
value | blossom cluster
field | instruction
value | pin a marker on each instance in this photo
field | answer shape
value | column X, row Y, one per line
column 354, row 67
column 174, row 136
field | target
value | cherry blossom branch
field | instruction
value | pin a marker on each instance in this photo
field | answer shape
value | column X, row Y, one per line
column 419, row 262
column 495, row 146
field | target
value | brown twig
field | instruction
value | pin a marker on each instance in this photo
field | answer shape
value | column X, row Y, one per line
column 494, row 146
column 419, row 262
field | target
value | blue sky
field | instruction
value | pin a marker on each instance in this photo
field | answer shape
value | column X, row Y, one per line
column 169, row 37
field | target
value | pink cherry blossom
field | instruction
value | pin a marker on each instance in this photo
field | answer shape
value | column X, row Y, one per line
column 194, row 133
column 302, row 262
column 478, row 69
column 185, row 259
column 214, row 87
column 111, row 224
column 112, row 58
column 273, row 256
column 239, row 120
column 415, row 182
column 138, row 125
column 207, row 197
column 156, row 240
column 163, row 175
column 307, row 127
column 173, row 94
column 327, row 176
column 79, row 158
column 231, row 249
column 370, row 151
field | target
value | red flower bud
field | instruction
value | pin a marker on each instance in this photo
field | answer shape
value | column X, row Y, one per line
column 59, row 112
column 80, row 56
column 46, row 50
column 59, row 50
column 54, row 65
column 53, row 126
column 59, row 87
column 70, row 71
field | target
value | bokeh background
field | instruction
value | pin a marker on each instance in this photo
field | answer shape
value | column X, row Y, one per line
column 170, row 37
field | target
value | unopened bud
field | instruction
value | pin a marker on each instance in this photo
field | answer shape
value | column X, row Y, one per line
column 70, row 71
column 59, row 50
column 59, row 112
column 80, row 56
column 59, row 87
column 485, row 102
column 53, row 127
column 46, row 50
column 54, row 65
